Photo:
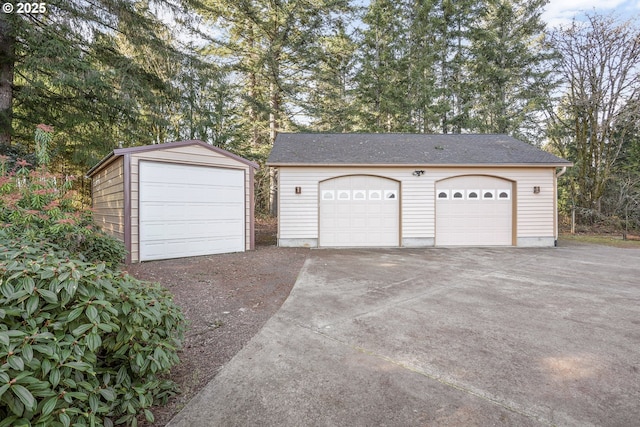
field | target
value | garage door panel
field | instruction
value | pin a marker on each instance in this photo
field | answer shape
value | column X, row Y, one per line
column 190, row 210
column 484, row 220
column 342, row 210
column 181, row 248
column 376, row 223
column 187, row 230
column 359, row 215
column 183, row 193
column 193, row 212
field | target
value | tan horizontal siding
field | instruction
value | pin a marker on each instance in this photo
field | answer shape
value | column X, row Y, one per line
column 110, row 196
column 298, row 213
column 111, row 188
column 107, row 188
column 115, row 212
column 536, row 211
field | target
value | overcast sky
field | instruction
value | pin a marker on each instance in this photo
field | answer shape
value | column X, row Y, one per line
column 563, row 11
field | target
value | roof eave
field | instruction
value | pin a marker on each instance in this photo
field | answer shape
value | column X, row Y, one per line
column 423, row 165
column 188, row 142
column 122, row 151
column 101, row 164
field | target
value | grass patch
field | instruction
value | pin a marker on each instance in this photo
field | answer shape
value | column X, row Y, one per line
column 601, row 239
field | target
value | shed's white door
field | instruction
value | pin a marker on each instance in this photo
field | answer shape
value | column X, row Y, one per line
column 190, row 210
column 474, row 211
column 359, row 210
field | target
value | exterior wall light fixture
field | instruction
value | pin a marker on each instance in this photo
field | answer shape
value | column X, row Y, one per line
column 536, row 189
column 418, row 173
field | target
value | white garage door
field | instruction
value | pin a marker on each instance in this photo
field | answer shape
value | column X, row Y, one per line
column 359, row 210
column 474, row 211
column 190, row 210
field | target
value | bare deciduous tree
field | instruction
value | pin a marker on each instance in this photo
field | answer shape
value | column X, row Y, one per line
column 600, row 68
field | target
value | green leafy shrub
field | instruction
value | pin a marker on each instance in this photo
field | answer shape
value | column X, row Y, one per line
column 80, row 343
column 37, row 204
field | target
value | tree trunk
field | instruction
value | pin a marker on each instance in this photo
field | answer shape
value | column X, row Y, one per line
column 253, row 89
column 7, row 63
column 253, row 110
column 274, row 107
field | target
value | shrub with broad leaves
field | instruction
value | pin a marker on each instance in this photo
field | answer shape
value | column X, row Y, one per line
column 38, row 204
column 81, row 343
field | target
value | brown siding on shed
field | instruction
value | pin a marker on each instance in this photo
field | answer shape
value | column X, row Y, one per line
column 107, row 188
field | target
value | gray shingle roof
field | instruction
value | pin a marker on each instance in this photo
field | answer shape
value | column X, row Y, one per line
column 405, row 149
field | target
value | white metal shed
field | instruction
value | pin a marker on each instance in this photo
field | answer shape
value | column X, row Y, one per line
column 414, row 190
column 175, row 200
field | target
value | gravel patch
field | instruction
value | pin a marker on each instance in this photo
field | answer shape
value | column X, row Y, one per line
column 226, row 300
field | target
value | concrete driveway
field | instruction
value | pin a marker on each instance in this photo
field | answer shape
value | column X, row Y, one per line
column 442, row 337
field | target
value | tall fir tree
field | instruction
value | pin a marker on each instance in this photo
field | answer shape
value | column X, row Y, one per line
column 269, row 45
column 330, row 96
column 512, row 69
column 439, row 34
column 69, row 70
column 455, row 66
column 383, row 76
column 8, row 34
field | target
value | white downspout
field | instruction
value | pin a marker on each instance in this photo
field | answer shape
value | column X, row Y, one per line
column 562, row 171
column 555, row 201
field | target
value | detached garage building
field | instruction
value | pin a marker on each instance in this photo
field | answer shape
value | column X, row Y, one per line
column 414, row 190
column 175, row 200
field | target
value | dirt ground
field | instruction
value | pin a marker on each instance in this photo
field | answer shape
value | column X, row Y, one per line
column 226, row 299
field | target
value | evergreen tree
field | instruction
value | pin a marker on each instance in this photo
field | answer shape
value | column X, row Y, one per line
column 439, row 61
column 207, row 102
column 71, row 69
column 330, row 98
column 269, row 45
column 7, row 69
column 511, row 69
column 383, row 77
column 423, row 71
